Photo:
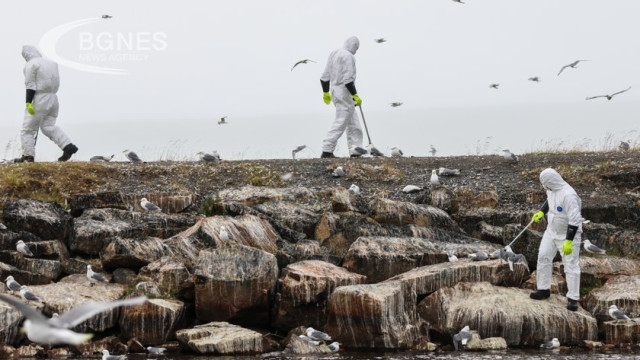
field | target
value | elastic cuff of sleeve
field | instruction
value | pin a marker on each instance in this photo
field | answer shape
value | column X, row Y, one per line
column 571, row 232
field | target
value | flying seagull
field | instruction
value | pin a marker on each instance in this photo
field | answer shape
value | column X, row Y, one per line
column 100, row 158
column 395, row 104
column 301, row 62
column 317, row 335
column 589, row 247
column 462, row 338
column 28, row 295
column 380, row 40
column 624, row 145
column 334, row 347
column 12, row 284
column 534, row 78
column 91, row 275
column 305, row 338
column 433, row 151
column 156, row 350
column 23, row 248
column 222, row 121
column 617, row 314
column 458, row 1
column 553, row 344
column 609, row 97
column 354, row 189
column 107, row 356
column 224, row 234
column 297, row 150
column 509, row 156
column 435, row 180
column 494, row 86
column 148, row 205
column 107, row 16
column 572, row 65
column 208, row 157
column 133, row 157
column 395, row 152
column 56, row 331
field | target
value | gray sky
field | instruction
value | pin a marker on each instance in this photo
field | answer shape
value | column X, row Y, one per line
column 234, row 58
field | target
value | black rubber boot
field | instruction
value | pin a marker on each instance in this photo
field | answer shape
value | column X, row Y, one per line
column 540, row 294
column 572, row 305
column 327, row 155
column 24, row 159
column 67, row 152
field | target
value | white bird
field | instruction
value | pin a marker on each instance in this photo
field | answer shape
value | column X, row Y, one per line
column 305, row 61
column 334, row 346
column 354, row 189
column 309, row 340
column 435, row 180
column 23, row 248
column 553, row 344
column 224, row 234
column 479, row 256
column 12, row 284
column 107, row 356
column 91, row 275
column 534, row 78
column 617, row 314
column 452, row 257
column 462, row 338
column 395, row 104
column 509, row 156
column 286, row 176
column 28, row 295
column 208, row 157
column 317, row 334
column 609, row 97
column 374, row 151
column 338, row 172
column 494, row 86
column 222, row 121
column 433, row 151
column 624, row 145
column 133, row 157
column 56, row 331
column 589, row 247
column 572, row 65
column 395, row 152
column 297, row 150
column 380, row 40
column 100, row 158
column 448, row 172
column 148, row 205
column 410, row 189
column 156, row 350
column 107, row 16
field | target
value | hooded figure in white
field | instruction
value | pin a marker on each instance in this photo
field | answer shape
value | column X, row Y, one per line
column 563, row 233
column 42, row 81
column 339, row 76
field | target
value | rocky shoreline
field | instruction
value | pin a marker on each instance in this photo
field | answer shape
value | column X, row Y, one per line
column 371, row 269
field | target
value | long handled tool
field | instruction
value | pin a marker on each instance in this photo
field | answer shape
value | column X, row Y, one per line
column 365, row 125
column 372, row 149
column 521, row 232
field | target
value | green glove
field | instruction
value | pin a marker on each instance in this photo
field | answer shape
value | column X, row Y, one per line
column 30, row 109
column 537, row 216
column 326, row 97
column 357, row 99
column 567, row 247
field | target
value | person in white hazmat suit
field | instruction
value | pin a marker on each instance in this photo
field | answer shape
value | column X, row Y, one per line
column 42, row 80
column 339, row 77
column 563, row 233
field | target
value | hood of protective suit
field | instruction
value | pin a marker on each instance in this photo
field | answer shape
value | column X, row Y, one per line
column 29, row 52
column 352, row 44
column 551, row 180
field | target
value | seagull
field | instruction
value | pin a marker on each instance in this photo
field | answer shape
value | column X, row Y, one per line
column 434, row 178
column 208, row 157
column 100, row 158
column 395, row 152
column 334, row 347
column 609, row 97
column 286, row 176
column 572, row 65
column 23, row 248
column 12, row 284
column 534, row 78
column 461, row 338
column 553, row 344
column 107, row 356
column 494, row 86
column 156, row 350
column 56, row 331
column 28, row 295
column 354, row 189
column 317, row 335
column 509, row 156
column 395, row 104
column 309, row 340
column 297, row 150
column 301, row 62
column 617, row 314
column 338, row 172
column 91, row 275
column 410, row 189
column 358, row 151
column 433, row 151
column 624, row 145
column 479, row 256
column 222, row 121
column 373, row 151
column 452, row 257
column 133, row 157
column 148, row 205
column 224, row 234
column 458, row 1
column 513, row 258
column 380, row 40
column 448, row 172
column 107, row 16
column 589, row 247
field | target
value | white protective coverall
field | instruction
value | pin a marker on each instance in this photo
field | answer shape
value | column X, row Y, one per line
column 341, row 70
column 41, row 75
column 564, row 210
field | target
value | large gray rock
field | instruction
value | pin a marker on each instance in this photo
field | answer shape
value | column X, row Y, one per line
column 379, row 258
column 169, row 203
column 235, row 282
column 379, row 316
column 10, row 320
column 50, row 269
column 221, row 338
column 21, row 276
column 303, row 292
column 184, row 249
column 8, row 239
column 622, row 332
column 392, row 212
column 506, row 312
column 173, row 278
column 47, row 220
column 132, row 253
column 252, row 195
column 602, row 268
column 92, row 230
column 298, row 217
column 337, row 232
column 153, row 322
column 297, row 346
column 622, row 291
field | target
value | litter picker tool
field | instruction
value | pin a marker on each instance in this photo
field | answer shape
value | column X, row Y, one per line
column 372, row 150
column 521, row 232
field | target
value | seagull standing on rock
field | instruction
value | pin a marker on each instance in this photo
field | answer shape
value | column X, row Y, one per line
column 462, row 338
column 28, row 295
column 224, row 234
column 435, row 180
column 617, row 314
column 23, row 248
column 107, row 356
column 133, row 157
column 208, row 157
column 305, row 338
column 91, row 275
column 354, row 189
column 509, row 156
column 334, row 347
column 149, row 206
column 624, row 145
column 338, row 172
column 553, row 344
column 12, row 284
column 589, row 247
column 395, row 152
column 317, row 334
